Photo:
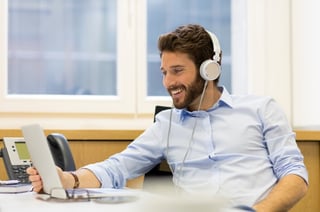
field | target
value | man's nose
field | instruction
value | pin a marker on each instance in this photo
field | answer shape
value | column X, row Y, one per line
column 169, row 80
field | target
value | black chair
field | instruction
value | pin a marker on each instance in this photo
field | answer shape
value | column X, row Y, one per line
column 61, row 152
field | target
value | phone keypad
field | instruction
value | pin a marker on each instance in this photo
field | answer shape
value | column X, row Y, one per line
column 20, row 173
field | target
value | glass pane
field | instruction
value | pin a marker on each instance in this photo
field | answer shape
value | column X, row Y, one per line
column 62, row 47
column 214, row 15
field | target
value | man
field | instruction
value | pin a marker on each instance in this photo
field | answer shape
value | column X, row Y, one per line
column 240, row 147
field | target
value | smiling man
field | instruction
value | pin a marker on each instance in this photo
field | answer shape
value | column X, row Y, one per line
column 238, row 147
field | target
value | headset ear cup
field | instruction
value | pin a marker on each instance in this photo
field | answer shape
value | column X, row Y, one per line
column 210, row 70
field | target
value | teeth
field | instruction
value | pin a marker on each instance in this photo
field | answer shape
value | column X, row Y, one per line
column 176, row 91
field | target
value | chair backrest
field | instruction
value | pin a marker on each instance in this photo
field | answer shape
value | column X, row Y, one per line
column 61, row 152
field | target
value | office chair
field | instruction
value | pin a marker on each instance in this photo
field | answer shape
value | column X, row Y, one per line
column 61, row 152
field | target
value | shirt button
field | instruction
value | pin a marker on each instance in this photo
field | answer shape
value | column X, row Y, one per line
column 212, row 156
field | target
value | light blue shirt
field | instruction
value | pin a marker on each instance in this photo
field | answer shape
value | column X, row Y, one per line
column 239, row 149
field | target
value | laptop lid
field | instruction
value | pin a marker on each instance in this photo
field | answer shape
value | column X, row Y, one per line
column 43, row 161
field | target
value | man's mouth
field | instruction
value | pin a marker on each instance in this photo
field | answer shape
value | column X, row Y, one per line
column 176, row 91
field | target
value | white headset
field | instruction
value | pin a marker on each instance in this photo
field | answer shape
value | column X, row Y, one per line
column 210, row 69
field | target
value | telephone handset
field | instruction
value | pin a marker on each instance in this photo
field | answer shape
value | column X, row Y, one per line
column 61, row 152
column 16, row 158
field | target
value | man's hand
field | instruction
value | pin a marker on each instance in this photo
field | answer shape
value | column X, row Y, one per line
column 35, row 179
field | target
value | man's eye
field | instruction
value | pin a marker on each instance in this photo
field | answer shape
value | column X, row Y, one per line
column 177, row 70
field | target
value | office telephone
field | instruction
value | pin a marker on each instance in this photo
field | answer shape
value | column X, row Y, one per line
column 16, row 158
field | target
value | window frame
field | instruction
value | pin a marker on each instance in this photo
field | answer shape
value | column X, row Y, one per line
column 123, row 103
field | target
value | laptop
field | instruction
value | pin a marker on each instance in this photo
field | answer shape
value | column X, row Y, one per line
column 43, row 161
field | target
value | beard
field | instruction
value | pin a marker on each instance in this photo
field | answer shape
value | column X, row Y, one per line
column 192, row 92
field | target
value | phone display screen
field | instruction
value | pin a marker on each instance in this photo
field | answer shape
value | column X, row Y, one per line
column 22, row 150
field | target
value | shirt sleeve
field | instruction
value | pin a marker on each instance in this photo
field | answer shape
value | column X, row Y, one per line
column 138, row 158
column 280, row 140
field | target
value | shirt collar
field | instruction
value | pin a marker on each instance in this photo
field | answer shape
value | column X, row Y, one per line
column 225, row 100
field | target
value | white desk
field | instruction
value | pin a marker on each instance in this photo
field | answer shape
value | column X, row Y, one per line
column 27, row 202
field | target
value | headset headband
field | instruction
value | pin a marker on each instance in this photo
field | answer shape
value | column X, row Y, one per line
column 216, row 46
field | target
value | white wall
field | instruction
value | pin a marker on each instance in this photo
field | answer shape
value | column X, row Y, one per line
column 283, row 56
column 268, row 51
column 305, row 62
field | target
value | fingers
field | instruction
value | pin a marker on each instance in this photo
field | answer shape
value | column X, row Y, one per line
column 35, row 179
column 37, row 186
column 31, row 171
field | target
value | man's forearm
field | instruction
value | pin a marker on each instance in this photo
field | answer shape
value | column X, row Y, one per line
column 288, row 191
column 85, row 177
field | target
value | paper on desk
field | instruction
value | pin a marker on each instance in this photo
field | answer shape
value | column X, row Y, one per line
column 9, row 182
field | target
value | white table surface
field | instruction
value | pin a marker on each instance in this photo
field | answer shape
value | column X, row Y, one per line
column 27, row 202
column 149, row 202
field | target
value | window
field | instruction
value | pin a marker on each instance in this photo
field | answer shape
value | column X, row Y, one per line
column 69, row 47
column 95, row 57
column 62, row 56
